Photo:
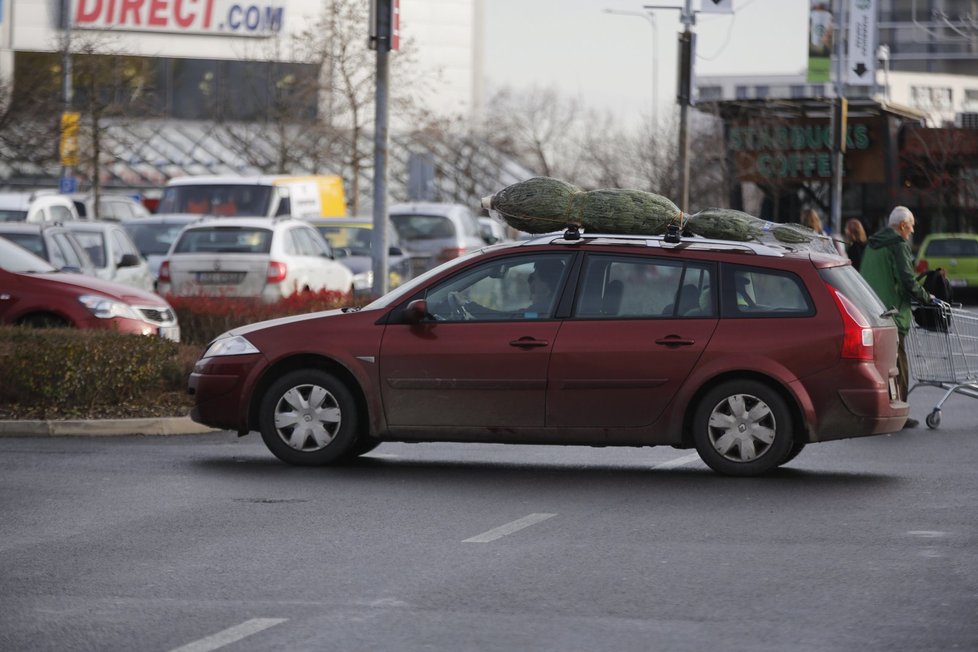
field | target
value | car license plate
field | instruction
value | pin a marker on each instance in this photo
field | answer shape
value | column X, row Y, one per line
column 893, row 390
column 169, row 332
column 220, row 278
column 957, row 282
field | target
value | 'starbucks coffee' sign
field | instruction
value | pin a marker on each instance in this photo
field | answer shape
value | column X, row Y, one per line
column 792, row 151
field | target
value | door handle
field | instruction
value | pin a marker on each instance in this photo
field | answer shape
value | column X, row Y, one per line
column 528, row 343
column 675, row 340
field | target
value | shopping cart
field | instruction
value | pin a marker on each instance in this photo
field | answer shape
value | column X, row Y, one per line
column 942, row 349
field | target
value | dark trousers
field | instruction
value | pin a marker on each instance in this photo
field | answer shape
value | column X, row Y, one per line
column 903, row 371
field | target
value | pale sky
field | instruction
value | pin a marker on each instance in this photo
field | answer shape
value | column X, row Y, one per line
column 607, row 59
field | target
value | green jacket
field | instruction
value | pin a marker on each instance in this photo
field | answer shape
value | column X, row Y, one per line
column 887, row 266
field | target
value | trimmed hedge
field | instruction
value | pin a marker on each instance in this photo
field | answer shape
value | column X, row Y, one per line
column 204, row 318
column 87, row 374
column 67, row 373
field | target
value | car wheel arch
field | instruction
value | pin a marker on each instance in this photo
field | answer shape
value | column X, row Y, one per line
column 39, row 317
column 307, row 361
column 797, row 416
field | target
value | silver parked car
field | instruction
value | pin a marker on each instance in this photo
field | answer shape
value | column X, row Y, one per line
column 52, row 242
column 154, row 235
column 433, row 232
column 270, row 258
column 112, row 251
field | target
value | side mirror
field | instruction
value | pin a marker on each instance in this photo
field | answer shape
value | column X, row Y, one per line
column 128, row 260
column 416, row 311
column 395, row 251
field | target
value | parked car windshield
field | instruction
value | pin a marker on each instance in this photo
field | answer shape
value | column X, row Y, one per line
column 10, row 215
column 423, row 227
column 227, row 200
column 225, row 240
column 14, row 258
column 153, row 238
column 950, row 247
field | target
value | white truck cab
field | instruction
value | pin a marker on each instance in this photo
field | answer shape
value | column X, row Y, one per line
column 36, row 207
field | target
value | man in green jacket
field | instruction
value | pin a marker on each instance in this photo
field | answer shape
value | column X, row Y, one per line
column 887, row 266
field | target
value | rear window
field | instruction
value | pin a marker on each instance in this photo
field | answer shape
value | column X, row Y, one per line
column 423, row 227
column 848, row 281
column 225, row 240
column 951, row 247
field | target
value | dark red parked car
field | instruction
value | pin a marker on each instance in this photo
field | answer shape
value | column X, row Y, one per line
column 746, row 352
column 34, row 293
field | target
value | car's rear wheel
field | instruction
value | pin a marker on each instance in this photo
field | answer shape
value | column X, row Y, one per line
column 742, row 428
column 308, row 417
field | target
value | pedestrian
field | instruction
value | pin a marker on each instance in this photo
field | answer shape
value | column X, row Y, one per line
column 887, row 265
column 810, row 218
column 855, row 241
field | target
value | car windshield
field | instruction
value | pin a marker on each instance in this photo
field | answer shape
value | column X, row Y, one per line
column 153, row 238
column 423, row 227
column 11, row 215
column 225, row 240
column 14, row 258
column 354, row 239
column 227, row 200
column 951, row 247
column 410, row 287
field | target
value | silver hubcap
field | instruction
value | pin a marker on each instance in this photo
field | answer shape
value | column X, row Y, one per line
column 307, row 418
column 742, row 427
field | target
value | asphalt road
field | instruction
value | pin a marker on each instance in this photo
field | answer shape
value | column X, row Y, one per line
column 198, row 543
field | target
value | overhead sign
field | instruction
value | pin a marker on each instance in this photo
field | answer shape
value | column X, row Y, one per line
column 819, row 41
column 211, row 17
column 862, row 43
column 716, row 7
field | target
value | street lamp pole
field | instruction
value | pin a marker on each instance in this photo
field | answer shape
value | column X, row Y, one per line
column 649, row 16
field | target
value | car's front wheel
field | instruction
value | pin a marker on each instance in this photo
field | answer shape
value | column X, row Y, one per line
column 742, row 428
column 308, row 417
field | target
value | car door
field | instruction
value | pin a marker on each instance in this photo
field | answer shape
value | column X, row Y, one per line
column 638, row 327
column 481, row 366
column 138, row 275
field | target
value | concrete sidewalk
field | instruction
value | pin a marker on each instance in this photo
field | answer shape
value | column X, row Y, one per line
column 103, row 427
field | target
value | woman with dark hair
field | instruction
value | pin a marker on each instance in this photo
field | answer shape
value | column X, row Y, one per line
column 855, row 241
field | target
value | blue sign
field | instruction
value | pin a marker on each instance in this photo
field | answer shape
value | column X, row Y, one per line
column 68, row 184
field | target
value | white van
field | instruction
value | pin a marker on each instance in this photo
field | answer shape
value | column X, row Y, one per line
column 260, row 196
column 36, row 207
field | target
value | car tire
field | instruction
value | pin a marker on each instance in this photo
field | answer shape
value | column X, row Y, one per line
column 361, row 446
column 308, row 418
column 796, row 448
column 742, row 428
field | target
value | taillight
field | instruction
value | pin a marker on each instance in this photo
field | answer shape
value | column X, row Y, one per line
column 922, row 266
column 276, row 272
column 451, row 252
column 164, row 274
column 857, row 334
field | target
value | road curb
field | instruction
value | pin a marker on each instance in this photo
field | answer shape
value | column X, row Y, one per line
column 103, row 427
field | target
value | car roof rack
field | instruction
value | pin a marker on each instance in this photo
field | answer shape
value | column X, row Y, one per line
column 666, row 241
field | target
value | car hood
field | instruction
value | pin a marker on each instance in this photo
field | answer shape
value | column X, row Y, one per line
column 119, row 291
column 281, row 321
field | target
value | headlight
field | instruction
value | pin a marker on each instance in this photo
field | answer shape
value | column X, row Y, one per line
column 229, row 345
column 106, row 308
column 363, row 280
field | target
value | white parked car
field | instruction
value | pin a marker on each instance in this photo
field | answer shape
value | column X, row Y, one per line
column 113, row 253
column 251, row 257
column 36, row 207
column 113, row 207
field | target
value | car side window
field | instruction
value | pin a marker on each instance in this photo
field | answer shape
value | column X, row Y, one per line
column 55, row 256
column 122, row 245
column 513, row 288
column 292, row 245
column 757, row 292
column 311, row 243
column 626, row 287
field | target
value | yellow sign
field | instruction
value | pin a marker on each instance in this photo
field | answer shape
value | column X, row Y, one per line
column 69, row 149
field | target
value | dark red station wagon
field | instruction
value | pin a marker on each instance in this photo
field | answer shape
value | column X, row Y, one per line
column 747, row 352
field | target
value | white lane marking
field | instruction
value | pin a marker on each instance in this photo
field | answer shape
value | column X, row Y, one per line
column 679, row 461
column 230, row 635
column 509, row 528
